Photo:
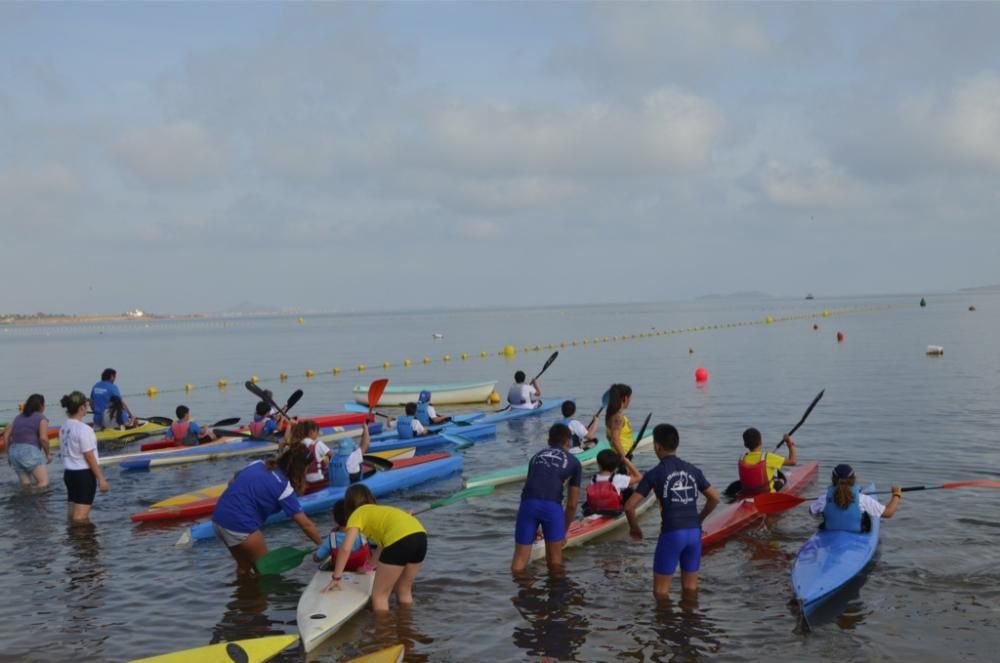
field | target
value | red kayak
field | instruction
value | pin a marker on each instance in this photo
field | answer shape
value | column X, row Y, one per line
column 205, row 507
column 728, row 519
column 325, row 421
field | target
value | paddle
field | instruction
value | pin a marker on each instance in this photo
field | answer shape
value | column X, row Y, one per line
column 378, row 462
column 358, row 408
column 478, row 491
column 162, row 421
column 768, row 503
column 280, row 560
column 733, row 489
column 262, row 395
column 375, row 390
column 545, row 367
column 642, row 431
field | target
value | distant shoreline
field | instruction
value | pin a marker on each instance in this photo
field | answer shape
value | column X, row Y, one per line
column 88, row 319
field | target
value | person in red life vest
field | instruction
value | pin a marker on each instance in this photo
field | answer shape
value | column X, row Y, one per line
column 759, row 471
column 263, row 426
column 608, row 491
column 187, row 432
column 845, row 507
column 306, row 433
column 360, row 551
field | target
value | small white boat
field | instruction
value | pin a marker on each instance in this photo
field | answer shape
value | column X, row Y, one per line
column 441, row 394
column 437, row 335
column 935, row 350
column 320, row 614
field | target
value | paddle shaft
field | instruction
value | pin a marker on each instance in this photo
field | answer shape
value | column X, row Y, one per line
column 803, row 419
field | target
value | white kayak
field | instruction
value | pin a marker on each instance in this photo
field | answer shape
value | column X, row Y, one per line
column 441, row 394
column 321, row 613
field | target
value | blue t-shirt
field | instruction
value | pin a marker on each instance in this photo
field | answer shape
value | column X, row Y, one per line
column 100, row 398
column 676, row 484
column 326, row 549
column 547, row 471
column 253, row 496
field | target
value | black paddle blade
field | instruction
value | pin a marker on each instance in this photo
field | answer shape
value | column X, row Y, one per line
column 231, row 421
column 804, row 417
column 642, row 431
column 293, row 399
column 548, row 363
column 733, row 489
column 161, row 421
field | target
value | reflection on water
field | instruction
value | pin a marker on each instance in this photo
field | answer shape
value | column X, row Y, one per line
column 246, row 614
column 85, row 588
column 844, row 607
column 397, row 626
column 683, row 631
column 554, row 608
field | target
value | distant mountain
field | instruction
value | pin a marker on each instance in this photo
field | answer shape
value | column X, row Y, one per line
column 752, row 294
column 982, row 288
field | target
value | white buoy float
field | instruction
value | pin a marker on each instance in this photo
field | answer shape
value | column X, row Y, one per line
column 935, row 350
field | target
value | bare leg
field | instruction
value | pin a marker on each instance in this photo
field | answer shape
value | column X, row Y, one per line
column 25, row 480
column 41, row 476
column 522, row 555
column 248, row 552
column 404, row 586
column 553, row 554
column 386, row 576
column 689, row 582
column 79, row 513
column 661, row 586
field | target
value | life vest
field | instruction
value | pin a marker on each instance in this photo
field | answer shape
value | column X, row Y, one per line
column 849, row 519
column 422, row 415
column 257, row 426
column 337, row 468
column 314, row 470
column 753, row 477
column 602, row 496
column 179, row 431
column 574, row 439
column 518, row 395
column 359, row 555
column 404, row 427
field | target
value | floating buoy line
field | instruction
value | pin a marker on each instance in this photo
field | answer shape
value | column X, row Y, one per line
column 506, row 352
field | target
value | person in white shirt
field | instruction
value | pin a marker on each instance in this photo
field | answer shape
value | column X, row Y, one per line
column 408, row 426
column 844, row 506
column 524, row 396
column 81, row 469
column 583, row 437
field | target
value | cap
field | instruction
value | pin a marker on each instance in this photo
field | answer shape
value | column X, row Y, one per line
column 425, row 396
column 843, row 471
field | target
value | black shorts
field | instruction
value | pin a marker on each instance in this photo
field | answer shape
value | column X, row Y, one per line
column 81, row 486
column 409, row 550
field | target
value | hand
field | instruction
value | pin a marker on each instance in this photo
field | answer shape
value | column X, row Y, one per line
column 103, row 485
column 334, row 584
column 788, row 440
column 48, row 459
column 635, row 533
column 897, row 491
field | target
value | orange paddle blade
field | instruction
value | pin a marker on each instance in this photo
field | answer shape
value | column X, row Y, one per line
column 980, row 483
column 768, row 503
column 375, row 390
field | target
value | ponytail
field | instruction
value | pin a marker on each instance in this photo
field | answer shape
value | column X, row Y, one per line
column 293, row 462
column 843, row 492
column 303, row 429
column 616, row 394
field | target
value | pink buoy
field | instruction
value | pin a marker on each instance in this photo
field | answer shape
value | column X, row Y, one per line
column 840, row 337
column 701, row 374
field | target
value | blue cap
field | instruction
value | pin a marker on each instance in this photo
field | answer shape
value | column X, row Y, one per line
column 843, row 471
column 425, row 396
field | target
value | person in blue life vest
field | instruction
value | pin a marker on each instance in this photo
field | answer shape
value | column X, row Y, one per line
column 608, row 490
column 264, row 425
column 408, row 426
column 523, row 396
column 845, row 507
column 187, row 432
column 426, row 414
column 550, row 471
column 759, row 471
column 361, row 550
column 676, row 484
column 582, row 437
column 100, row 399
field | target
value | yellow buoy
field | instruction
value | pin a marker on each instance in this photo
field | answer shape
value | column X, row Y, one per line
column 335, row 371
column 386, row 364
column 446, row 358
column 188, row 387
column 310, row 373
column 254, row 379
column 361, row 368
column 825, row 313
column 427, row 360
column 538, row 348
column 562, row 344
column 527, row 348
column 222, row 383
column 574, row 344
column 484, row 353
column 407, row 362
column 151, row 391
column 302, row 320
column 465, row 355
column 494, row 397
column 283, row 376
column 20, row 406
column 509, row 350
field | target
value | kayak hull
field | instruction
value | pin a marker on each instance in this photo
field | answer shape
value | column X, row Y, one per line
column 829, row 560
column 201, row 453
column 441, row 394
column 319, row 614
column 591, row 527
column 393, row 654
column 474, row 432
column 256, row 650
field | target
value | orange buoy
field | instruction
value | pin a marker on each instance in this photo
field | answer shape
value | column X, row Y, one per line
column 840, row 337
column 701, row 374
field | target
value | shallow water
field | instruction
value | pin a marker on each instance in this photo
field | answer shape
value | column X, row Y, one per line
column 118, row 591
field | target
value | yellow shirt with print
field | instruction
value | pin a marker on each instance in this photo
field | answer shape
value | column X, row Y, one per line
column 774, row 463
column 384, row 525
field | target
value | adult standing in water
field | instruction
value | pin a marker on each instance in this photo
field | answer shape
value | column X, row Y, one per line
column 100, row 399
column 616, row 422
column 27, row 442
column 81, row 470
column 676, row 484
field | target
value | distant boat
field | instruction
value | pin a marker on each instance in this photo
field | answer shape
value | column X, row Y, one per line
column 437, row 335
column 810, row 296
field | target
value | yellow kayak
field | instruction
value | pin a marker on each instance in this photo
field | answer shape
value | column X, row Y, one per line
column 218, row 489
column 393, row 654
column 144, row 429
column 256, row 650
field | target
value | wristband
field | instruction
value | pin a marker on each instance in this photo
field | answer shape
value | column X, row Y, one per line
column 337, row 578
column 898, row 495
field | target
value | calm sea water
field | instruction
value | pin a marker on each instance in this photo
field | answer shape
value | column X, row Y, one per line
column 122, row 591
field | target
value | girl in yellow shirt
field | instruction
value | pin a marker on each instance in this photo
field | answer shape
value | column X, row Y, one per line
column 401, row 540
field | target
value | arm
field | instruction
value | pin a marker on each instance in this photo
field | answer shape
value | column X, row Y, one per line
column 711, row 501
column 634, row 476
column 897, row 497
column 323, row 551
column 633, row 523
column 95, row 467
column 6, row 435
column 366, row 438
column 538, row 390
column 43, row 435
column 343, row 554
column 302, row 520
column 592, row 428
column 572, row 496
column 792, row 455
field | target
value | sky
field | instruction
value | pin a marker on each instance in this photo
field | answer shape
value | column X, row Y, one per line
column 184, row 157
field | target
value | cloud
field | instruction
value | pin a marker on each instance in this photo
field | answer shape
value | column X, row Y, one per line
column 479, row 229
column 816, row 184
column 175, row 155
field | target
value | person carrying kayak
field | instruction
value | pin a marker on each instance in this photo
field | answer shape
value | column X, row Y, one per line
column 676, row 484
column 616, row 423
column 408, row 426
column 845, row 507
column 581, row 435
column 426, row 414
column 257, row 491
column 524, row 396
column 100, row 399
column 549, row 471
column 187, row 432
column 401, row 541
column 760, row 471
column 360, row 551
column 608, row 491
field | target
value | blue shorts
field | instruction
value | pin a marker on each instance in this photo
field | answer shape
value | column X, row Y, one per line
column 25, row 457
column 679, row 545
column 532, row 513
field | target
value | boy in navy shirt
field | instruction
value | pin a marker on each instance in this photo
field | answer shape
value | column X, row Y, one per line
column 676, row 484
column 542, row 500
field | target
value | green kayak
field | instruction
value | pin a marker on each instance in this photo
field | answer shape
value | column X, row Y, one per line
column 519, row 473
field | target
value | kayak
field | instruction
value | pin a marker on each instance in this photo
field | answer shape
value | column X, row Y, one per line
column 520, row 473
column 590, row 527
column 829, row 560
column 470, row 433
column 441, row 394
column 199, row 453
column 256, row 650
column 519, row 413
column 437, row 466
column 113, row 459
column 457, row 420
column 393, row 654
column 145, row 429
column 728, row 519
column 320, row 614
column 331, row 432
column 202, row 503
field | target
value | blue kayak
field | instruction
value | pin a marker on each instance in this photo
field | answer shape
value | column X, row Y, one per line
column 198, row 453
column 445, row 437
column 518, row 413
column 381, row 483
column 456, row 420
column 829, row 560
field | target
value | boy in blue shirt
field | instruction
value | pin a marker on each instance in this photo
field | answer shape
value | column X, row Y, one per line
column 100, row 399
column 187, row 432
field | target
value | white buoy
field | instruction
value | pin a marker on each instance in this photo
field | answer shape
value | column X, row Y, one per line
column 437, row 335
column 935, row 350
